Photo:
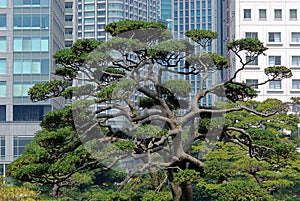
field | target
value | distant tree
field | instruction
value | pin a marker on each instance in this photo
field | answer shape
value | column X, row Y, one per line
column 162, row 128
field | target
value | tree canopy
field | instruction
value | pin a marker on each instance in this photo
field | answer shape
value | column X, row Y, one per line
column 132, row 100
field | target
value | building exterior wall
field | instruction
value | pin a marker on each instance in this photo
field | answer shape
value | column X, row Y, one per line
column 32, row 32
column 202, row 15
column 279, row 34
column 94, row 15
column 71, row 16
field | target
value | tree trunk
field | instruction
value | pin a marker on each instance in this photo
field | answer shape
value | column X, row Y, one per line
column 55, row 191
column 176, row 191
column 183, row 192
column 187, row 191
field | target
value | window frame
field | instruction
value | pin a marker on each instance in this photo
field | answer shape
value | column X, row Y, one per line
column 277, row 14
column 252, row 63
column 275, row 60
column 272, row 35
column 247, row 14
column 250, row 82
column 262, row 12
column 291, row 17
column 296, row 82
column 275, row 85
column 252, row 34
column 295, row 37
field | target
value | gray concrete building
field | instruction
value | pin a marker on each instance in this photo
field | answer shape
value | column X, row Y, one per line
column 31, row 31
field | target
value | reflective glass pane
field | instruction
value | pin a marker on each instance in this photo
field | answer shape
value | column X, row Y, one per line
column 45, row 44
column 17, row 90
column 36, row 67
column 45, row 21
column 2, row 44
column 36, row 20
column 27, row 66
column 36, row 44
column 2, row 3
column 27, row 44
column 26, row 20
column 17, row 20
column 18, row 66
column 2, row 89
column 45, row 66
column 2, row 20
column 2, row 66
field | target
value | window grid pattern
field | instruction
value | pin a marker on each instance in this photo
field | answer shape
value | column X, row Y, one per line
column 252, row 82
column 296, row 37
column 274, row 60
column 296, row 60
column 275, row 84
column 296, row 84
column 2, row 148
column 274, row 36
column 20, row 144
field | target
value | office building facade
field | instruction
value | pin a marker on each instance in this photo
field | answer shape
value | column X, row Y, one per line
column 276, row 23
column 71, row 16
column 31, row 31
column 94, row 15
column 201, row 15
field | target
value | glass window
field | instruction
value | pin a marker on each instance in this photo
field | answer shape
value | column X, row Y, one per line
column 45, row 66
column 36, row 2
column 293, row 14
column 36, row 67
column 2, row 21
column 27, row 44
column 296, row 84
column 2, row 112
column 36, row 44
column 45, row 21
column 2, row 66
column 262, row 14
column 18, row 2
column 247, row 13
column 2, row 148
column 29, row 112
column 275, row 84
column 251, row 35
column 27, row 66
column 45, row 44
column 18, row 46
column 296, row 60
column 89, row 7
column 18, row 66
column 17, row 89
column 20, row 144
column 36, row 20
column 88, row 21
column 254, row 62
column 274, row 37
column 274, row 60
column 2, row 43
column 89, row 14
column 2, row 89
column 17, row 20
column 26, row 20
column 277, row 14
column 252, row 82
column 295, row 36
column 44, row 2
column 2, row 3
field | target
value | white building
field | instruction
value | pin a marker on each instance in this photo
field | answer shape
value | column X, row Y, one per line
column 277, row 24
